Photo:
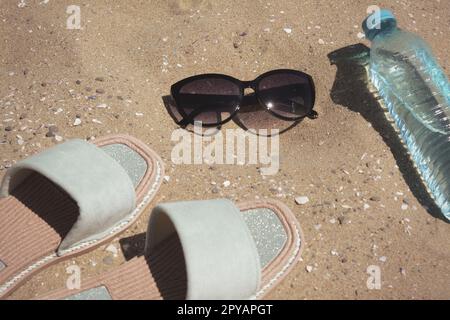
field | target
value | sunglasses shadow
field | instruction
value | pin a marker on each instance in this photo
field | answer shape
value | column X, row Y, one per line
column 350, row 88
column 251, row 118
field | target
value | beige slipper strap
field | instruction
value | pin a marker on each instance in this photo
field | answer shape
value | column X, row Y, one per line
column 99, row 185
column 221, row 258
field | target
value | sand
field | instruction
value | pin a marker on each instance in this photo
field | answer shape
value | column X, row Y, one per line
column 366, row 206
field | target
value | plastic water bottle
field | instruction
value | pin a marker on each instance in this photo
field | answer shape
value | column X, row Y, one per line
column 416, row 93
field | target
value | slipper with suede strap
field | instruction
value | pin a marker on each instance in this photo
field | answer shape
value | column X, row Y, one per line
column 209, row 249
column 69, row 199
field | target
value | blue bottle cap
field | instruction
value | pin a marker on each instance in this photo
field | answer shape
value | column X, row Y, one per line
column 377, row 21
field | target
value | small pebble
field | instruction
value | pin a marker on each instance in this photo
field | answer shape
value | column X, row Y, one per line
column 100, row 91
column 302, row 200
column 226, row 184
column 215, row 189
column 108, row 260
column 52, row 130
column 342, row 220
column 273, row 189
column 309, row 269
column 77, row 122
column 100, row 79
column 58, row 138
column 112, row 249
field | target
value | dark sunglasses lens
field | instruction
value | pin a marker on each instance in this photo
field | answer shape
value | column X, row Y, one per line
column 287, row 95
column 254, row 116
column 209, row 100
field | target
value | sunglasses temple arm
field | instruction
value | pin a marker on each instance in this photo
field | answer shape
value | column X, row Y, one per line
column 312, row 115
column 190, row 118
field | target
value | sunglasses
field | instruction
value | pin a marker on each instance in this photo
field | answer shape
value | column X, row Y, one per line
column 214, row 99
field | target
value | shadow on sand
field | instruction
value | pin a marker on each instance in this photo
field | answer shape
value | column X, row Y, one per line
column 351, row 90
column 133, row 246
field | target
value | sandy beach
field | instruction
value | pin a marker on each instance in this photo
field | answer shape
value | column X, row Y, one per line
column 367, row 206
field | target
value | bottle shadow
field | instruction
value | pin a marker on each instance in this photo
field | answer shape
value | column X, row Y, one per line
column 351, row 90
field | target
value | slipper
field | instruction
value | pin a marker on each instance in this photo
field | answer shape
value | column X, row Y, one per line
column 209, row 249
column 69, row 199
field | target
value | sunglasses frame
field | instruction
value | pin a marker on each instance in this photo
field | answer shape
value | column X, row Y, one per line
column 242, row 85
